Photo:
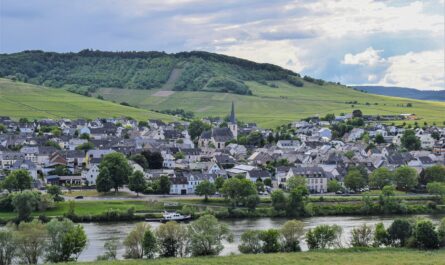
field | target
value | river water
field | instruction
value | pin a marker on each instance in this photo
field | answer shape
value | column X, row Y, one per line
column 98, row 233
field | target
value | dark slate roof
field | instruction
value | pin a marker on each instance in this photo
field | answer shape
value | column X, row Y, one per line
column 179, row 180
column 426, row 160
column 191, row 151
column 222, row 134
column 224, row 159
column 308, row 171
column 259, row 173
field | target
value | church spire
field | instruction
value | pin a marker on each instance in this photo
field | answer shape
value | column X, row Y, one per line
column 232, row 114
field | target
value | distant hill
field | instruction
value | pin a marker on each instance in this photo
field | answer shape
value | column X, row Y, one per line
column 184, row 71
column 404, row 92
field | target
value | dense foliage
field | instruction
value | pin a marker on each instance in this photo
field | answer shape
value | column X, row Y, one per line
column 88, row 70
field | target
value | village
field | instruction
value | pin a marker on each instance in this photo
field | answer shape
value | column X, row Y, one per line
column 68, row 152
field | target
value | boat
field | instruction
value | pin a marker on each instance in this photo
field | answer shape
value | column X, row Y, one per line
column 174, row 216
column 171, row 216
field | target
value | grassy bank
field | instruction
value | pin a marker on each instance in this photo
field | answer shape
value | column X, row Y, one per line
column 343, row 257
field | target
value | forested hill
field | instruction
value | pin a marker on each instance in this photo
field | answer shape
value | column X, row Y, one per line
column 193, row 71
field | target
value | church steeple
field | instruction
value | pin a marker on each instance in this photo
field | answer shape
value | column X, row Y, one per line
column 232, row 114
column 233, row 126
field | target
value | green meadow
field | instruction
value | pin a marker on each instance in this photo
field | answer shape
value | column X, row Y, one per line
column 21, row 100
column 327, row 257
column 270, row 107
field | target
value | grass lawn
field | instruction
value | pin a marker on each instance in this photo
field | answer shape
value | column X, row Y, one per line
column 94, row 208
column 94, row 193
column 335, row 257
column 378, row 192
column 18, row 100
column 270, row 107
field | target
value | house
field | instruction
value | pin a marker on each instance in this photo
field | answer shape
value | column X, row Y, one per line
column 26, row 165
column 316, row 177
column 178, row 185
column 426, row 141
column 9, row 158
column 216, row 137
column 325, row 133
column 288, row 144
column 257, row 174
column 90, row 175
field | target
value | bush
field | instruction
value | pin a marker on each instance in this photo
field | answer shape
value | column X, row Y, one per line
column 425, row 235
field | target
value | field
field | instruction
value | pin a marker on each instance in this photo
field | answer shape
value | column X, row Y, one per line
column 270, row 106
column 18, row 100
column 333, row 257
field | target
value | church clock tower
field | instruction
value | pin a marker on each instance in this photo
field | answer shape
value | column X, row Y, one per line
column 233, row 126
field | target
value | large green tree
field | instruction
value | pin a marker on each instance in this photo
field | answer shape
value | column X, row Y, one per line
column 24, row 203
column 137, row 182
column 196, row 127
column 206, row 235
column 172, row 240
column 205, row 188
column 237, row 190
column 355, row 180
column 31, row 239
column 18, row 180
column 410, row 141
column 381, row 177
column 118, row 169
column 66, row 240
column 405, row 178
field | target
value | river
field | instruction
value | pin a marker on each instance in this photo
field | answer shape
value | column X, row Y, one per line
column 98, row 233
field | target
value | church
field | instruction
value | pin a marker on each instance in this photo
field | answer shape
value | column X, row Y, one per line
column 218, row 137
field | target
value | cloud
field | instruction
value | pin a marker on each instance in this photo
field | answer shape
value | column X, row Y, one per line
column 368, row 57
column 423, row 70
column 349, row 41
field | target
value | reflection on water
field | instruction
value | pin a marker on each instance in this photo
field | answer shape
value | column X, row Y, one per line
column 98, row 233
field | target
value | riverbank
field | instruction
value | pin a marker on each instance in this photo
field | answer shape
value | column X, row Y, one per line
column 329, row 257
column 115, row 210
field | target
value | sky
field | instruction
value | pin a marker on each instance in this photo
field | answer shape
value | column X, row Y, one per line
column 378, row 42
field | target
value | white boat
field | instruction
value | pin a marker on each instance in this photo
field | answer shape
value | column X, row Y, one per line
column 174, row 216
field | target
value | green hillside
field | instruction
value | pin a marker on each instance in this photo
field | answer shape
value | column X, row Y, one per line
column 329, row 257
column 199, row 71
column 201, row 82
column 19, row 100
column 272, row 106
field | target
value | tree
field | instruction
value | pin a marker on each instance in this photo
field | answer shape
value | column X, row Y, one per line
column 399, row 232
column 252, row 201
column 357, row 113
column 354, row 180
column 85, row 146
column 103, row 181
column 172, row 240
column 268, row 182
column 434, row 173
column 137, row 182
column 18, row 180
column 236, row 190
column 379, row 139
column 66, row 241
column 436, row 188
column 134, row 242
column 219, row 182
column 196, row 127
column 361, row 236
column 31, row 241
column 8, row 247
column 381, row 177
column 334, row 186
column 24, row 203
column 164, row 185
column 206, row 235
column 381, row 236
column 425, row 235
column 140, row 160
column 441, row 232
column 205, row 188
column 296, row 201
column 405, row 178
column 291, row 232
column 270, row 241
column 295, row 182
column 154, row 159
column 118, row 169
column 410, row 141
column 149, row 244
column 323, row 236
column 55, row 192
column 278, row 200
column 110, row 247
column 250, row 242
